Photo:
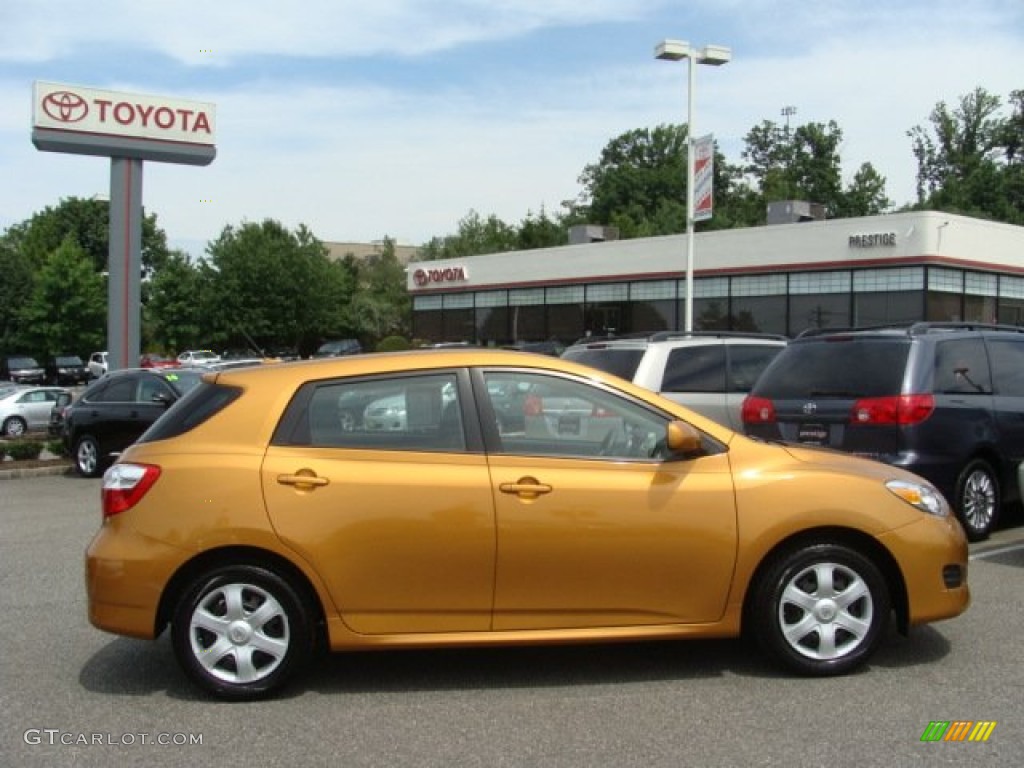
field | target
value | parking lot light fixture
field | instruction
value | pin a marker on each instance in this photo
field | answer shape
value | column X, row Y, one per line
column 715, row 55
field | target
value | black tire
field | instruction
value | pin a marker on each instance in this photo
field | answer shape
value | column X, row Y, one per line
column 978, row 499
column 15, row 426
column 253, row 658
column 87, row 456
column 820, row 610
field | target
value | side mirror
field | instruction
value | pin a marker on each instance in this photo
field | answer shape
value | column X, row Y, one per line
column 162, row 399
column 682, row 439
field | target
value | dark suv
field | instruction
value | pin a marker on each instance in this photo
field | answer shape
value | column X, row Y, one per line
column 944, row 400
column 116, row 409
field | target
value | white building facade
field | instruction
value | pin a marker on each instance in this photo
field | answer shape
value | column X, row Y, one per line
column 782, row 279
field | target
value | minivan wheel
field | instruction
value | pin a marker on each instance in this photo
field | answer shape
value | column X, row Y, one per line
column 820, row 609
column 977, row 499
column 87, row 456
column 242, row 631
column 15, row 427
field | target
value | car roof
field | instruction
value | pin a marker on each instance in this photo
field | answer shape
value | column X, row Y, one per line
column 677, row 338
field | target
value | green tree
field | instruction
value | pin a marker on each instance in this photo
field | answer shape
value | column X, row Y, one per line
column 274, row 286
column 88, row 222
column 15, row 290
column 173, row 316
column 969, row 158
column 475, row 235
column 66, row 311
column 639, row 182
column 380, row 306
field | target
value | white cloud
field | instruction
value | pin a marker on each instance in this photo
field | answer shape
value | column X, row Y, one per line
column 373, row 153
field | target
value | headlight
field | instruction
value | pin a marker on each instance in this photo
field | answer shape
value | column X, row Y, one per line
column 924, row 497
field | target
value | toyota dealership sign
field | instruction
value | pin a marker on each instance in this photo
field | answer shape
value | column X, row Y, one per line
column 71, row 118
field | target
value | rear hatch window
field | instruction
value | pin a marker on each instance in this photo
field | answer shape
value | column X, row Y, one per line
column 842, row 367
column 619, row 362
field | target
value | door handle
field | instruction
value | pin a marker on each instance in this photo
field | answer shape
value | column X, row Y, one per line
column 526, row 487
column 303, row 480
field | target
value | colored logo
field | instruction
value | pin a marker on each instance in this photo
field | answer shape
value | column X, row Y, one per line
column 65, row 107
column 420, row 277
column 958, row 730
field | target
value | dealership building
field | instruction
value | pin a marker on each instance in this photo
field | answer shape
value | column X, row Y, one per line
column 780, row 278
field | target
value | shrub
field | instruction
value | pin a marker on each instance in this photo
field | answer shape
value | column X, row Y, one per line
column 57, row 448
column 20, row 450
column 393, row 344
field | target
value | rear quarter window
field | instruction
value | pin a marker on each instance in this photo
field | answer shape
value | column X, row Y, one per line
column 695, row 369
column 200, row 404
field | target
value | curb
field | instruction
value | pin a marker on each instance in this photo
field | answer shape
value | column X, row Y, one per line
column 59, row 468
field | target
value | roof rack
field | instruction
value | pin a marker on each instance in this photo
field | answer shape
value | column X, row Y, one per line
column 666, row 335
column 915, row 329
column 614, row 337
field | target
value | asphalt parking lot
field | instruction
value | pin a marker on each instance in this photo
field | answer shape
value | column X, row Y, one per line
column 72, row 695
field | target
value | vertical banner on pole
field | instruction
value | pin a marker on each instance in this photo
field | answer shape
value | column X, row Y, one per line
column 704, row 157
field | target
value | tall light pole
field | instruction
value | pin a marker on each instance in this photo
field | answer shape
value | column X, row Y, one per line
column 674, row 50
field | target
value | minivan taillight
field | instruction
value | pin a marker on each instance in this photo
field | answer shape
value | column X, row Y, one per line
column 902, row 410
column 757, row 410
column 124, row 485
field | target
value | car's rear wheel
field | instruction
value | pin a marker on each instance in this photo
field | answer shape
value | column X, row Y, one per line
column 977, row 499
column 820, row 609
column 242, row 631
column 87, row 456
column 15, row 426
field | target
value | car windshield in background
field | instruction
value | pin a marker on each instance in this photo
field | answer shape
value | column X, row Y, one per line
column 841, row 368
column 620, row 362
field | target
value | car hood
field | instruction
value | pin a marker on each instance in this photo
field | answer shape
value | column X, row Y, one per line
column 845, row 462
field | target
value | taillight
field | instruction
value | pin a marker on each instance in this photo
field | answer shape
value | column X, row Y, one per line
column 897, row 409
column 124, row 485
column 757, row 410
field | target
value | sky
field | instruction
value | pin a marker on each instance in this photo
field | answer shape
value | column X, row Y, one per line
column 398, row 118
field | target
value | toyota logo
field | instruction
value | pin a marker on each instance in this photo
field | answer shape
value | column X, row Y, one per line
column 420, row 277
column 810, row 408
column 65, row 107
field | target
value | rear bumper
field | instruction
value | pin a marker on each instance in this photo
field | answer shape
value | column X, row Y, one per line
column 125, row 576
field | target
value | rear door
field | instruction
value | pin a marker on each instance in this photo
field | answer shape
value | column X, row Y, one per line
column 399, row 523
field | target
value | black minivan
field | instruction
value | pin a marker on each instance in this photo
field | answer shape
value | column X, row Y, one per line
column 943, row 400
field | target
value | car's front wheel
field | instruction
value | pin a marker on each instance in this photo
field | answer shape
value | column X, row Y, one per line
column 977, row 499
column 820, row 609
column 15, row 426
column 242, row 631
column 87, row 456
